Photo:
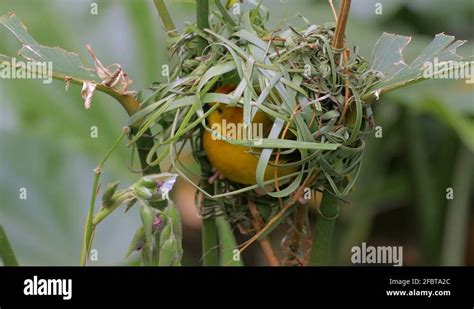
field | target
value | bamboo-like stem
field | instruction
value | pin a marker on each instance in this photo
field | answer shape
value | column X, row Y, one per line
column 264, row 243
column 329, row 210
column 165, row 17
column 6, row 252
column 322, row 236
column 89, row 226
column 428, row 207
column 457, row 213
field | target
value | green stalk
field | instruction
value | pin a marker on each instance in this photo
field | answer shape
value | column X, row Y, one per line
column 209, row 228
column 227, row 242
column 202, row 18
column 428, row 206
column 6, row 252
column 456, row 227
column 329, row 209
column 322, row 237
column 165, row 17
column 224, row 13
column 89, row 226
column 105, row 212
column 144, row 144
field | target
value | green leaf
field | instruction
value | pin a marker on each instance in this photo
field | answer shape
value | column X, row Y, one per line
column 227, row 243
column 387, row 58
column 172, row 214
column 171, row 250
column 109, row 192
column 167, row 252
column 137, row 241
column 67, row 66
column 464, row 126
column 6, row 252
column 283, row 143
column 147, row 216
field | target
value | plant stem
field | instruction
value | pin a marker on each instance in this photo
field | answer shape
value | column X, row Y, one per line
column 6, row 252
column 209, row 228
column 322, row 236
column 456, row 227
column 329, row 209
column 428, row 207
column 89, row 226
column 105, row 212
column 202, row 19
column 165, row 17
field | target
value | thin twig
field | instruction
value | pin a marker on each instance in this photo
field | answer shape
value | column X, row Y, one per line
column 333, row 9
column 346, row 88
column 338, row 42
column 264, row 243
column 294, row 244
column 298, row 194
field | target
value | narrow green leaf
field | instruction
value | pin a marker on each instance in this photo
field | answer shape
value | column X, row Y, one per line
column 6, row 252
column 457, row 217
column 137, row 241
column 228, row 244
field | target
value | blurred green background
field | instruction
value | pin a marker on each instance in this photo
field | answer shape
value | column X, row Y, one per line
column 399, row 199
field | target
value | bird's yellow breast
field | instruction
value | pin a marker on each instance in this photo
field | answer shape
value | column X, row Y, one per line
column 235, row 162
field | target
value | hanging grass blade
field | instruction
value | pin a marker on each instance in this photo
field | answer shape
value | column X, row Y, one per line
column 6, row 252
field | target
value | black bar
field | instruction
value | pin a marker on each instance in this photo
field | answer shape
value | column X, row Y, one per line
column 193, row 285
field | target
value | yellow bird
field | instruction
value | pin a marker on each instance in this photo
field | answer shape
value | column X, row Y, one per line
column 234, row 162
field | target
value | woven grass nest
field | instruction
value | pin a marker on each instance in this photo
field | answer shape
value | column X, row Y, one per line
column 292, row 74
